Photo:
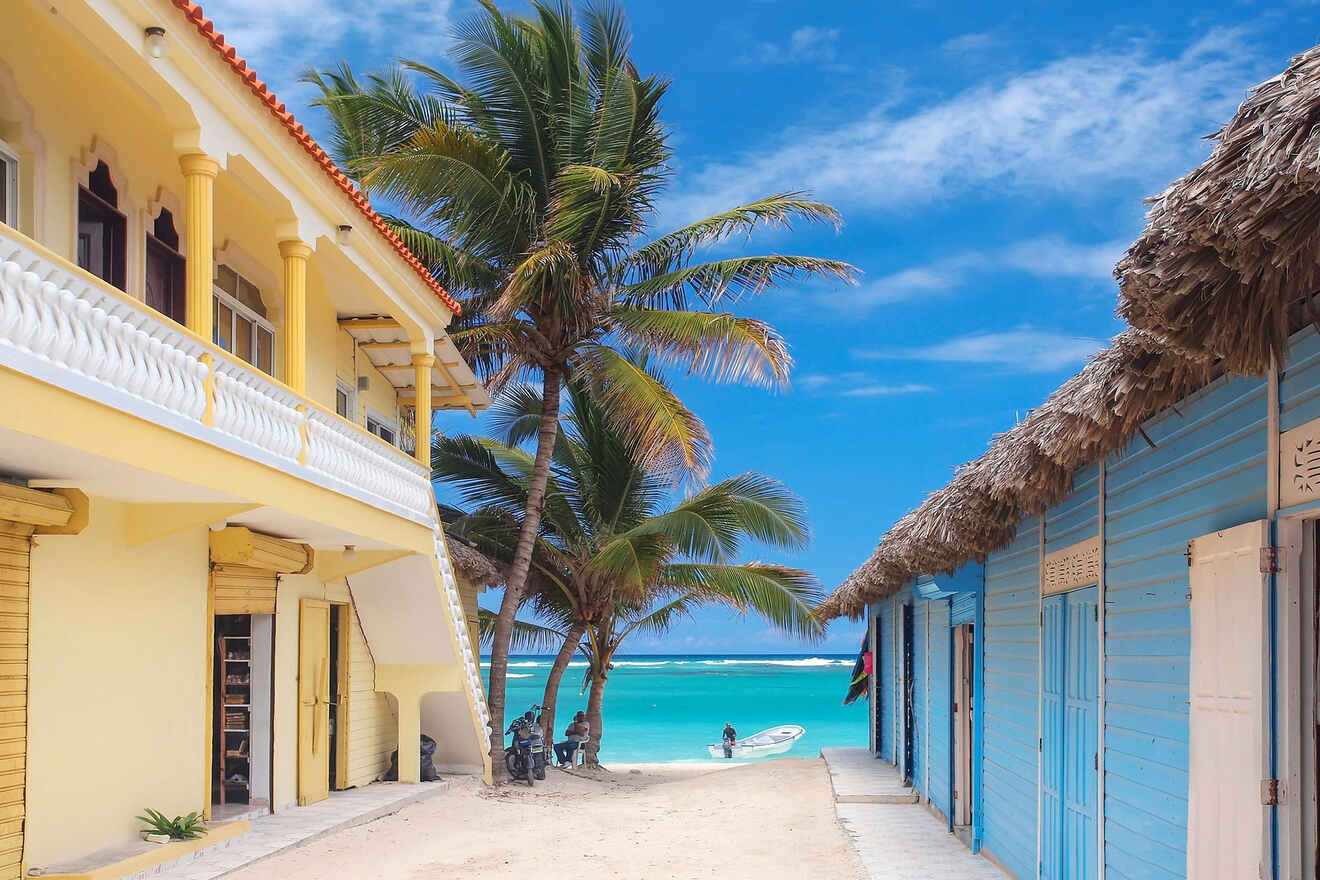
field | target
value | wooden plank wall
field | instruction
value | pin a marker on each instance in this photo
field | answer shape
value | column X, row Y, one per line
column 372, row 724
column 15, row 554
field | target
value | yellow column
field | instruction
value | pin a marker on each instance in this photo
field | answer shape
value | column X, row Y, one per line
column 295, row 254
column 422, row 364
column 410, row 736
column 199, row 173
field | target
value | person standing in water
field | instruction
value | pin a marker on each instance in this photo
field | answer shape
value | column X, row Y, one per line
column 730, row 737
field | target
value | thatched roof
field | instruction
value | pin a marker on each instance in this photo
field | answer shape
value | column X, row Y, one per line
column 1230, row 249
column 1227, row 267
column 472, row 565
column 1027, row 468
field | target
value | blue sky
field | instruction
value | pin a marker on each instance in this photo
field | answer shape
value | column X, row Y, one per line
column 990, row 160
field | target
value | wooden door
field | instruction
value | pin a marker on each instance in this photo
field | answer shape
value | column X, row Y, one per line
column 1226, row 824
column 313, row 701
column 1081, row 706
column 15, row 549
column 963, row 707
column 909, row 723
column 1069, row 705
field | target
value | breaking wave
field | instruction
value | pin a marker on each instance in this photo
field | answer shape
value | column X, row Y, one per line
column 802, row 661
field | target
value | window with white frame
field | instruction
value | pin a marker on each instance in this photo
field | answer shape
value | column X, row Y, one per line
column 241, row 326
column 385, row 429
column 344, row 400
column 8, row 185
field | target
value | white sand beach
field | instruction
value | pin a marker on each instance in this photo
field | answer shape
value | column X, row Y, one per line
column 769, row 821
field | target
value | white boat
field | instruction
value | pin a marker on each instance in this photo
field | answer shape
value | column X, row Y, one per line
column 774, row 741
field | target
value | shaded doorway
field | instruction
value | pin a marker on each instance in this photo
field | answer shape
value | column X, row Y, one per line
column 242, row 686
column 964, row 709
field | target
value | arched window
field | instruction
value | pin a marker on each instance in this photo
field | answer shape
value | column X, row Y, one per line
column 165, row 268
column 101, row 227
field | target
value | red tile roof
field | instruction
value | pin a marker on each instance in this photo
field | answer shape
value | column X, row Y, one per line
column 206, row 28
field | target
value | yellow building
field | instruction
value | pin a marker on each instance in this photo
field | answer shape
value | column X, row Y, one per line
column 221, row 577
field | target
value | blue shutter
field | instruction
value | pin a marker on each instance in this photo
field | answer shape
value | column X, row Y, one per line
column 962, row 609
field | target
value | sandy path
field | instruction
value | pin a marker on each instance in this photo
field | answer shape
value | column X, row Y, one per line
column 768, row 821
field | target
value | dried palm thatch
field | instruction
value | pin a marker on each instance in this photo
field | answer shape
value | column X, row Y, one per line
column 473, row 566
column 1027, row 468
column 1229, row 250
column 1226, row 268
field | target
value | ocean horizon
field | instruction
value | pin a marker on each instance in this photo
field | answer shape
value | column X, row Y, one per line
column 666, row 708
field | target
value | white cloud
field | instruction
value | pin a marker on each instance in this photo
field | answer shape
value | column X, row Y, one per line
column 1025, row 349
column 1048, row 256
column 806, row 44
column 879, row 389
column 1114, row 114
column 813, row 381
column 854, row 383
column 281, row 40
column 971, row 42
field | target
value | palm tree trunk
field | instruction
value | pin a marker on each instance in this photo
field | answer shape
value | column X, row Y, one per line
column 522, row 561
column 556, row 675
column 594, row 716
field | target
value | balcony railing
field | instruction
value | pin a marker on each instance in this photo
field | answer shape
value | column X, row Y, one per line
column 64, row 326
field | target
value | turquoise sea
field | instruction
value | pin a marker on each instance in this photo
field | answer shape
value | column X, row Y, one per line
column 663, row 708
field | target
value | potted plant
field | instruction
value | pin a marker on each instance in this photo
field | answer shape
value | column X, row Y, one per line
column 163, row 830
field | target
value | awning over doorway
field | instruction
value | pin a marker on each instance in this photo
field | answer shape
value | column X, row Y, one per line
column 968, row 579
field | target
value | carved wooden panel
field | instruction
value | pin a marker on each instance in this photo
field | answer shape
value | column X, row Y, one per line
column 1077, row 565
column 1299, row 464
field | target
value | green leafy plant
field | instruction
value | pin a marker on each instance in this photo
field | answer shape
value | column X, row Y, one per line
column 187, row 827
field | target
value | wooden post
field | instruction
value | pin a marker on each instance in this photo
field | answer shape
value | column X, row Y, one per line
column 295, row 254
column 422, row 364
column 199, row 173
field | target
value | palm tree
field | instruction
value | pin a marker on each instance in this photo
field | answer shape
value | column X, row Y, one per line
column 531, row 182
column 613, row 555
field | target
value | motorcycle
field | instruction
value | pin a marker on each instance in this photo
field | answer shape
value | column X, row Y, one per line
column 526, row 758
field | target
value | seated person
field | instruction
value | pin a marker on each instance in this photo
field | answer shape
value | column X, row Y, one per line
column 578, row 732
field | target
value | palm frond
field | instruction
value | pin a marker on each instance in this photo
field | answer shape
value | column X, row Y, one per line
column 528, row 638
column 668, row 436
column 516, row 416
column 453, row 266
column 504, row 70
column 719, row 347
column 785, row 597
column 458, row 180
column 702, row 526
column 474, row 467
column 661, row 620
column 675, row 249
column 630, row 561
column 765, row 510
column 733, row 279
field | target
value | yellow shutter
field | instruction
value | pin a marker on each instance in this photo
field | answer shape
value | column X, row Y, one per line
column 239, row 589
column 15, row 551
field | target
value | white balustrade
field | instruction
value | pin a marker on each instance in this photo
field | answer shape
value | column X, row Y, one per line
column 253, row 408
column 340, row 450
column 49, row 313
column 470, row 663
column 80, row 332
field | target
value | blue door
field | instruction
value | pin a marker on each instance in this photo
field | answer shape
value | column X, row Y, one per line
column 1069, row 705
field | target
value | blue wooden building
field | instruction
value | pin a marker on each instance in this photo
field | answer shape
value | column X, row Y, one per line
column 1096, row 648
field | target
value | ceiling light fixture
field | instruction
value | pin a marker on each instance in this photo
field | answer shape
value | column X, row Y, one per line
column 155, row 41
